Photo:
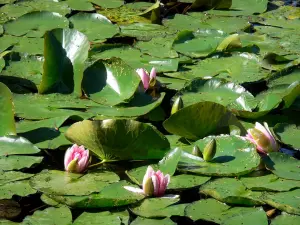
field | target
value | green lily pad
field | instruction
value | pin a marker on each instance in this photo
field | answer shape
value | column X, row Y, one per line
column 80, row 5
column 135, row 140
column 112, row 196
column 14, row 145
column 159, row 207
column 139, row 105
column 95, row 26
column 7, row 120
column 64, row 183
column 145, row 221
column 285, row 201
column 15, row 162
column 219, row 91
column 160, row 47
column 115, row 218
column 198, row 120
column 32, row 46
column 108, row 4
column 285, row 79
column 11, row 176
column 285, row 218
column 50, row 216
column 168, row 164
column 242, row 8
column 64, row 74
column 288, row 134
column 185, row 181
column 232, row 191
column 269, row 183
column 234, row 156
column 283, row 165
column 20, row 188
column 110, row 82
column 35, row 24
column 198, row 44
column 30, row 69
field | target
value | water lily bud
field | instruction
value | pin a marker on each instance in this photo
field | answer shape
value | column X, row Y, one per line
column 149, row 188
column 178, row 104
column 262, row 137
column 76, row 159
column 210, row 150
column 196, row 151
column 144, row 77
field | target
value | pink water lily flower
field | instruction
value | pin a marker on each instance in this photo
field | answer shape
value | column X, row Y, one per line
column 262, row 137
column 77, row 159
column 154, row 183
column 147, row 80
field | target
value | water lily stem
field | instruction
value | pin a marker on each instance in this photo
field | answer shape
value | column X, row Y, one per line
column 102, row 162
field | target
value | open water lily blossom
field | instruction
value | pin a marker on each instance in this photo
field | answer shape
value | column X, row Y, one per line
column 154, row 183
column 262, row 137
column 77, row 159
column 147, row 80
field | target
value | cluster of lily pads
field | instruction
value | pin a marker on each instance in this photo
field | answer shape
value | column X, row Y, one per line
column 149, row 112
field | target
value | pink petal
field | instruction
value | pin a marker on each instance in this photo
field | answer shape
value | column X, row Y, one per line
column 148, row 174
column 153, row 73
column 156, row 184
column 68, row 156
column 82, row 164
column 144, row 77
column 261, row 128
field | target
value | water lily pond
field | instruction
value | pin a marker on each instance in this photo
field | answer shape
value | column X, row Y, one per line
column 149, row 112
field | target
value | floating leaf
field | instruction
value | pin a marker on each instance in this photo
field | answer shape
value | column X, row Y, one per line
column 99, row 27
column 168, row 164
column 14, row 145
column 7, row 120
column 198, row 120
column 285, row 201
column 230, row 190
column 82, row 5
column 63, row 183
column 234, row 156
column 269, row 183
column 185, row 181
column 285, row 218
column 15, row 162
column 283, row 165
column 288, row 134
column 145, row 221
column 11, row 176
column 65, row 53
column 135, row 140
column 35, row 24
column 20, row 188
column 110, row 82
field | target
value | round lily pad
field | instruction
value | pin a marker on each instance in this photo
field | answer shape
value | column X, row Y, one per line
column 288, row 134
column 16, row 162
column 64, row 183
column 285, row 218
column 283, row 165
column 20, row 188
column 136, row 140
column 106, row 217
column 145, row 221
column 285, row 201
column 230, row 190
column 234, row 156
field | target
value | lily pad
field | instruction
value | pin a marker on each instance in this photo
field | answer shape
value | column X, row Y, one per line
column 20, row 188
column 112, row 196
column 159, row 207
column 106, row 217
column 217, row 90
column 145, row 221
column 198, row 120
column 7, row 120
column 234, row 156
column 185, row 181
column 269, row 183
column 135, row 140
column 14, row 145
column 168, row 164
column 283, row 165
column 285, row 201
column 63, row 183
column 232, row 191
column 15, row 162
column 65, row 53
column 285, row 218
column 82, row 5
column 108, row 4
column 110, row 82
column 95, row 26
column 50, row 216
column 35, row 24
column 11, row 176
column 288, row 134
